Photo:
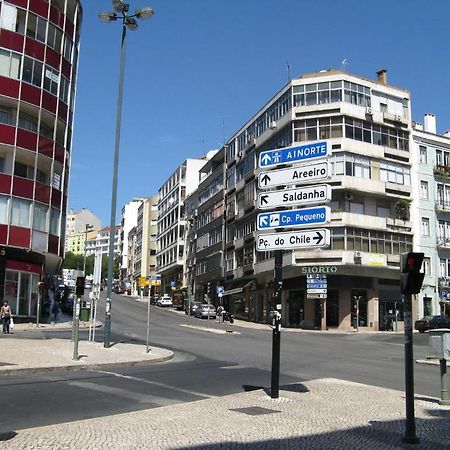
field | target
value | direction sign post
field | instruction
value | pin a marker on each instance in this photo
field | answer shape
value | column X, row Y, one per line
column 293, row 240
column 290, row 197
column 294, row 218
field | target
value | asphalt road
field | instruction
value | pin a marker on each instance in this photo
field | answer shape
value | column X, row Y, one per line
column 205, row 364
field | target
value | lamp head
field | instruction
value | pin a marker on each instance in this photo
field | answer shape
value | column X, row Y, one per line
column 107, row 16
column 144, row 13
column 119, row 6
column 131, row 23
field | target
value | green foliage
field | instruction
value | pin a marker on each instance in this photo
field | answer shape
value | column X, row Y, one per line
column 73, row 261
column 402, row 209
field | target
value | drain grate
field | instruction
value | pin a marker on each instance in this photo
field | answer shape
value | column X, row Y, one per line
column 7, row 435
column 255, row 411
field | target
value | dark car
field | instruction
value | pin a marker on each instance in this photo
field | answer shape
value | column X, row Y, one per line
column 193, row 306
column 67, row 300
column 431, row 323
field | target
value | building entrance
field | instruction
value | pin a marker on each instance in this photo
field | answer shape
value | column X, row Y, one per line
column 391, row 312
column 296, row 308
column 332, row 308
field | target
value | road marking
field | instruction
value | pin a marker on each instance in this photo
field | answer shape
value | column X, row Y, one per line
column 155, row 383
column 211, row 330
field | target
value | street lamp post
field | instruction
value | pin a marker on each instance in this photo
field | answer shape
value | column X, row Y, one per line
column 128, row 21
column 86, row 229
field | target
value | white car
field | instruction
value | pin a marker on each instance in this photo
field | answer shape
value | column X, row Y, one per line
column 165, row 300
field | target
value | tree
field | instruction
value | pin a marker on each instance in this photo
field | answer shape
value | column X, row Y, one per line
column 73, row 261
column 116, row 267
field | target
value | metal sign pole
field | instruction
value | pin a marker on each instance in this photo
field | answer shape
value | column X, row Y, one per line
column 95, row 318
column 148, row 321
column 276, row 332
column 76, row 323
column 91, row 313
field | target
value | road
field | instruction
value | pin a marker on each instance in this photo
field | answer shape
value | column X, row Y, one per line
column 205, row 364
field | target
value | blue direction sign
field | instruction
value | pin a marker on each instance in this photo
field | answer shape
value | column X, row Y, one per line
column 293, row 218
column 298, row 153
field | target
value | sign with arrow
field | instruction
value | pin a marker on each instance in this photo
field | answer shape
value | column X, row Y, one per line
column 301, row 196
column 292, row 240
column 293, row 175
column 297, row 153
column 293, row 218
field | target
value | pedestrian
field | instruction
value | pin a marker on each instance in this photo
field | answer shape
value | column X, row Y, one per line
column 55, row 308
column 219, row 313
column 6, row 314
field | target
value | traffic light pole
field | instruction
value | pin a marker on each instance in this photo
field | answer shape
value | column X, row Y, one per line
column 410, row 430
column 276, row 330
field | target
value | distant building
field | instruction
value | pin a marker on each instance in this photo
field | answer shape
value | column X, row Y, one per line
column 101, row 242
column 76, row 221
column 75, row 242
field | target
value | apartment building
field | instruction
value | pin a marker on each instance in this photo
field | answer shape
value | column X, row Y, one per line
column 39, row 44
column 75, row 243
column 205, row 232
column 102, row 240
column 76, row 221
column 368, row 125
column 170, row 255
column 146, row 238
column 430, row 213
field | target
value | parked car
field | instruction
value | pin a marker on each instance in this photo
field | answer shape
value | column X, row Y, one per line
column 154, row 299
column 165, row 300
column 117, row 290
column 193, row 307
column 205, row 310
column 67, row 300
column 431, row 323
column 88, row 286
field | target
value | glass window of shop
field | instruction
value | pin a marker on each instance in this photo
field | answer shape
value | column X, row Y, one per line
column 359, row 308
column 21, row 292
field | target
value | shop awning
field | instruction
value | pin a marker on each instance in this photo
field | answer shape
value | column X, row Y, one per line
column 237, row 290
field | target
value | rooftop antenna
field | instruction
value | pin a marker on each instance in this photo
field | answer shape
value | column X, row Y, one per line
column 344, row 63
column 288, row 69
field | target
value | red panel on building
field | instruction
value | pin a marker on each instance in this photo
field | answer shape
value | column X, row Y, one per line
column 23, row 187
column 3, row 233
column 9, row 87
column 5, row 183
column 26, row 139
column 62, row 111
column 66, row 68
column 7, row 133
column 39, row 7
column 52, row 58
column 11, row 40
column 53, row 244
column 56, row 198
column 23, row 266
column 49, row 102
column 22, row 3
column 45, row 146
column 19, row 237
column 56, row 17
column 42, row 193
column 31, row 94
column 69, row 28
column 59, row 153
column 35, row 49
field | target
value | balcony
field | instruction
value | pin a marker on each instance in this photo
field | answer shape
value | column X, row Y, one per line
column 442, row 205
column 442, row 170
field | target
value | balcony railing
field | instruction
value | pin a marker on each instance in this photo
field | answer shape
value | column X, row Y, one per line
column 442, row 170
column 442, row 205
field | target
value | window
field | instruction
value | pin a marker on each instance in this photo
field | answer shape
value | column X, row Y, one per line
column 4, row 213
column 54, row 221
column 427, row 266
column 36, row 27
column 24, row 171
column 422, row 154
column 40, row 217
column 27, row 122
column 9, row 64
column 51, row 80
column 54, row 38
column 67, row 48
column 424, row 190
column 20, row 212
column 425, row 226
column 6, row 116
column 32, row 71
column 395, row 173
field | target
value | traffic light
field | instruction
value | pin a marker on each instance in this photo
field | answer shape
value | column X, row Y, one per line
column 79, row 286
column 208, row 289
column 411, row 278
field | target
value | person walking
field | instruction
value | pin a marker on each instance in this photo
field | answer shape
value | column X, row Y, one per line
column 6, row 314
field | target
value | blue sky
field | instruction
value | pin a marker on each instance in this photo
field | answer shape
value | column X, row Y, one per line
column 198, row 69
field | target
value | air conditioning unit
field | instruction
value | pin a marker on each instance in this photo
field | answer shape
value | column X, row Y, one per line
column 398, row 117
column 357, row 255
column 273, row 125
column 369, row 110
column 348, row 196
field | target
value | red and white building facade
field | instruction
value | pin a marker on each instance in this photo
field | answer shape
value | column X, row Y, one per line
column 39, row 41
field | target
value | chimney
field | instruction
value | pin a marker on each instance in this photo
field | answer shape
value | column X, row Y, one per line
column 429, row 123
column 447, row 134
column 382, row 76
column 417, row 126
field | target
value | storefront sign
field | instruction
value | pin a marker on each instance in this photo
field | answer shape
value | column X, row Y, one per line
column 319, row 269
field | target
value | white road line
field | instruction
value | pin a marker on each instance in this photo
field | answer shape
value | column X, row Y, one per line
column 155, row 383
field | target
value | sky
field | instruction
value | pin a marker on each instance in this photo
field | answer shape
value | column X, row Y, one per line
column 199, row 69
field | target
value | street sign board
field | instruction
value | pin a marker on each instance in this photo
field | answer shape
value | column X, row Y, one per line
column 317, row 291
column 444, row 294
column 305, row 195
column 294, row 154
column 316, row 296
column 294, row 175
column 292, row 240
column 293, row 218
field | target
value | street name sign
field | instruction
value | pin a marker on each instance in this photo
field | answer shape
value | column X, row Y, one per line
column 316, row 296
column 301, row 196
column 294, row 175
column 294, row 154
column 293, row 218
column 292, row 240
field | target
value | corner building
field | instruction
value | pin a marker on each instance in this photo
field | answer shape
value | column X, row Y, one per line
column 39, row 43
column 368, row 124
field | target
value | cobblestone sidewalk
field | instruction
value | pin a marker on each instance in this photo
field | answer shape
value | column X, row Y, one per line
column 320, row 414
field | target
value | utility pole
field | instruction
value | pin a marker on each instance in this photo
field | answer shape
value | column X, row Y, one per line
column 276, row 330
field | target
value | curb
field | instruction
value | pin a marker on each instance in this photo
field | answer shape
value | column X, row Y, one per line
column 74, row 367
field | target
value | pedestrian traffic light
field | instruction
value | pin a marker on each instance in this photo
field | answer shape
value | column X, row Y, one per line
column 411, row 278
column 79, row 286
